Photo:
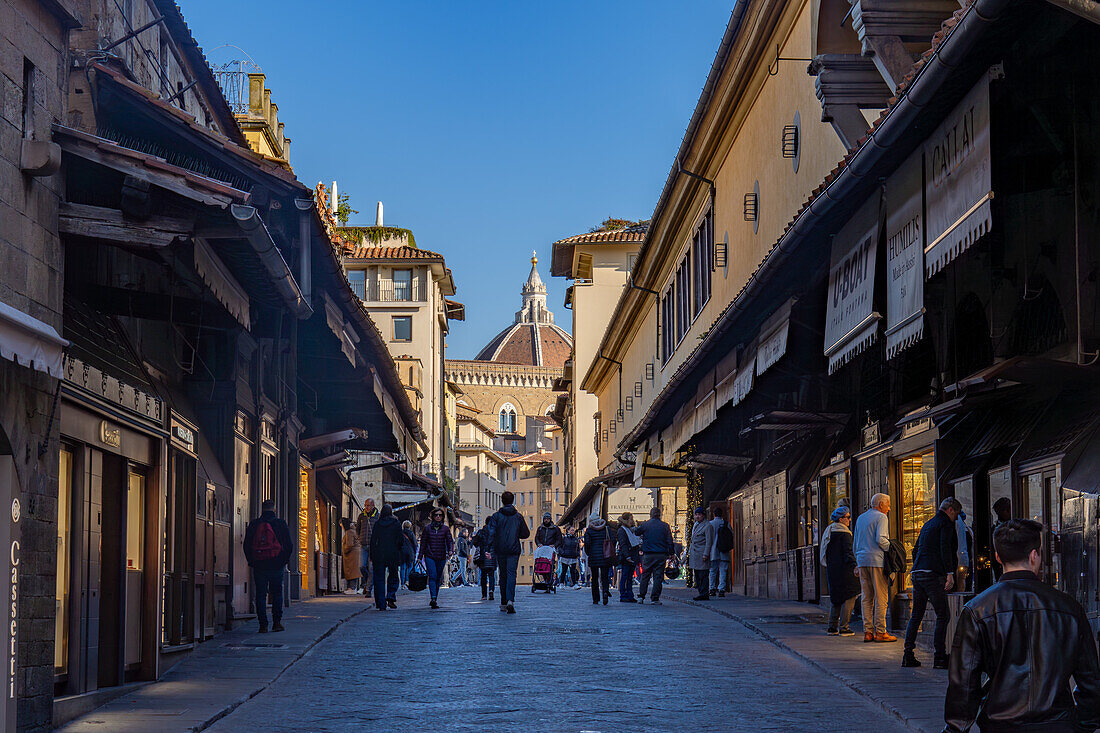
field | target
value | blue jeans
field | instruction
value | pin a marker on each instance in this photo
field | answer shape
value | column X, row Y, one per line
column 508, row 566
column 626, row 581
column 364, row 568
column 569, row 571
column 385, row 589
column 462, row 570
column 719, row 575
column 435, row 575
column 266, row 582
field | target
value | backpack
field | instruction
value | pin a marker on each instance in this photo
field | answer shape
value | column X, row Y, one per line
column 725, row 539
column 265, row 545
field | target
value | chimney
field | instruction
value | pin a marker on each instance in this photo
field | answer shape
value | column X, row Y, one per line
column 378, row 215
column 333, row 204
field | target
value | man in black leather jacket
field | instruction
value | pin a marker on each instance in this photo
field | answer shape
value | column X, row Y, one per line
column 1029, row 639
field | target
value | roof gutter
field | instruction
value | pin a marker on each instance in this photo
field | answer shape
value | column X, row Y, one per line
column 282, row 277
column 939, row 67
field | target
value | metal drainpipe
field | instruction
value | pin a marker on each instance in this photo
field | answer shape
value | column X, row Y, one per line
column 305, row 240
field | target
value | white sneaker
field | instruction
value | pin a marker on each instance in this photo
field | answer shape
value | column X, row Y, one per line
column 351, row 592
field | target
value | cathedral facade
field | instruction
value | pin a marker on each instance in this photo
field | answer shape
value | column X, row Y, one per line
column 511, row 379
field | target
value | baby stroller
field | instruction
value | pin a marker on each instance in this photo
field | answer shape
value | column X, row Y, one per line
column 543, row 575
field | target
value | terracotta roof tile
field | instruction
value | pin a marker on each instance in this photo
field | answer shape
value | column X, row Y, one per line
column 630, row 234
column 368, row 252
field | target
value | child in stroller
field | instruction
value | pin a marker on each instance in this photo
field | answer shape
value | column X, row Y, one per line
column 544, row 577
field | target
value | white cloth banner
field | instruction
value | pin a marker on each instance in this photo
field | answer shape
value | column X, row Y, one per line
column 957, row 180
column 851, row 323
column 773, row 338
column 742, row 383
column 904, row 258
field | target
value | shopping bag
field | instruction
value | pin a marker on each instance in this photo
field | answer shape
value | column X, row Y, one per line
column 418, row 578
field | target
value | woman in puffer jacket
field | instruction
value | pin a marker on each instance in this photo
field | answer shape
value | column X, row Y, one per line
column 599, row 547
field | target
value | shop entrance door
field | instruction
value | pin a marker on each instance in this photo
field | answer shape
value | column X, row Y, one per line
column 204, row 562
column 179, row 543
column 1042, row 494
column 135, row 574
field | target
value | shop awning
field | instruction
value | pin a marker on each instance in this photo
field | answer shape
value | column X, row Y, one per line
column 29, row 342
column 1082, row 472
column 222, row 283
column 657, row 476
column 851, row 321
column 349, row 438
column 401, row 496
column 773, row 338
column 792, row 420
column 1031, row 370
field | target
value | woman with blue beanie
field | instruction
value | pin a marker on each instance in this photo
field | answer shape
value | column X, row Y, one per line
column 840, row 569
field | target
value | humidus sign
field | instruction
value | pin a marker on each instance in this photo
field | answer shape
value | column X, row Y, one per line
column 851, row 323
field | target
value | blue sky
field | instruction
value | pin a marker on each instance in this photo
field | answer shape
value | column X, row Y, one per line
column 490, row 129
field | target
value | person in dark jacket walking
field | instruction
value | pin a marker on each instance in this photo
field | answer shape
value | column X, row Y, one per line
column 436, row 546
column 569, row 555
column 548, row 534
column 386, row 544
column 267, row 548
column 1027, row 640
column 599, row 545
column 629, row 554
column 840, row 570
column 486, row 559
column 408, row 552
column 363, row 525
column 935, row 559
column 656, row 546
column 508, row 528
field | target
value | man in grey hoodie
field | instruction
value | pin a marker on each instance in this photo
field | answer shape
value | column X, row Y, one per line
column 507, row 528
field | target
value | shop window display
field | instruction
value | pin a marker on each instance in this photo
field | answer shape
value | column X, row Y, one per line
column 917, row 493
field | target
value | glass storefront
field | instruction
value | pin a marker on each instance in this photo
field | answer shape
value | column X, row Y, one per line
column 917, row 498
column 64, row 562
column 836, row 491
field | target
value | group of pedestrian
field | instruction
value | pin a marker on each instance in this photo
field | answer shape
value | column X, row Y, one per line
column 708, row 551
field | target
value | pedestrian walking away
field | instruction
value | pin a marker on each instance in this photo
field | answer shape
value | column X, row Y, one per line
column 508, row 529
column 935, row 559
column 363, row 525
column 656, row 547
column 720, row 560
column 699, row 547
column 871, row 540
column 840, row 570
column 599, row 548
column 267, row 548
column 462, row 551
column 1002, row 509
column 436, row 546
column 408, row 552
column 485, row 559
column 629, row 554
column 1026, row 640
column 349, row 549
column 386, row 545
column 569, row 554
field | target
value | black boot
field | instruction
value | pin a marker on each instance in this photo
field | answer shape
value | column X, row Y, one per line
column 908, row 660
column 940, row 662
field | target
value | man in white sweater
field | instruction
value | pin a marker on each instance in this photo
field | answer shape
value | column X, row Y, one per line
column 871, row 541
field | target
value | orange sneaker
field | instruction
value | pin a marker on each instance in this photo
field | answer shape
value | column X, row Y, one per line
column 868, row 636
column 885, row 637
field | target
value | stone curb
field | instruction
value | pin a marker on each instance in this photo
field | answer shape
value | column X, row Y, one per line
column 242, row 700
column 854, row 686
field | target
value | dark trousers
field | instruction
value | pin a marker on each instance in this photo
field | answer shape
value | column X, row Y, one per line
column 626, row 581
column 702, row 581
column 653, row 567
column 928, row 588
column 569, row 574
column 601, row 580
column 385, row 589
column 507, row 566
column 266, row 582
column 487, row 580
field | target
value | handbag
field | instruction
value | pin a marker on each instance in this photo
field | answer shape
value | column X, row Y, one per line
column 418, row 578
column 608, row 544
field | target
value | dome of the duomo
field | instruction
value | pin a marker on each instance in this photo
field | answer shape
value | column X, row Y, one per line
column 533, row 339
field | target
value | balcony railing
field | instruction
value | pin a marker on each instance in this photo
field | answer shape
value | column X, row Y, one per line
column 387, row 291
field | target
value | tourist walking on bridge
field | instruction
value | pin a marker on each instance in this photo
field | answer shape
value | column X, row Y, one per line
column 599, row 547
column 629, row 553
column 349, row 550
column 569, row 554
column 656, row 547
column 267, row 548
column 486, row 559
column 699, row 547
column 1027, row 640
column 508, row 529
column 386, row 544
column 720, row 564
column 840, row 570
column 436, row 546
column 872, row 540
column 363, row 526
column 935, row 559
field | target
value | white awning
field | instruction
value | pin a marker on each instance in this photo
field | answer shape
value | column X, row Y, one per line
column 222, row 283
column 29, row 342
column 773, row 338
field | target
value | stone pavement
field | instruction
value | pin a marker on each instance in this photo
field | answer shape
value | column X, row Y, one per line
column 221, row 673
column 914, row 696
column 559, row 664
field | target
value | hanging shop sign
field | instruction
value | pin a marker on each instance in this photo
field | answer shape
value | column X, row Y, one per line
column 773, row 338
column 957, row 180
column 851, row 323
column 904, row 258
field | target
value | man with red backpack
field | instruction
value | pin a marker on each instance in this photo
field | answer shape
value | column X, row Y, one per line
column 267, row 548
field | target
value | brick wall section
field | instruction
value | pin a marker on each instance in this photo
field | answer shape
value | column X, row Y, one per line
column 31, row 280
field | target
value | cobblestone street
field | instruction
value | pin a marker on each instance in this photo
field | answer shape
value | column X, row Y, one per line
column 559, row 664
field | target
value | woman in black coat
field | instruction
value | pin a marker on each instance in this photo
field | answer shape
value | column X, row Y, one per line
column 597, row 538
column 840, row 569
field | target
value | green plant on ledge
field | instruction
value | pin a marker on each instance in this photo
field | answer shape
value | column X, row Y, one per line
column 376, row 235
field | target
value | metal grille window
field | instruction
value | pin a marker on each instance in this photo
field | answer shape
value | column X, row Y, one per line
column 702, row 249
column 402, row 284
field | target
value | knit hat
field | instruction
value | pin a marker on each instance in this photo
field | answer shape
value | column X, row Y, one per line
column 700, row 510
column 839, row 512
column 546, row 515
